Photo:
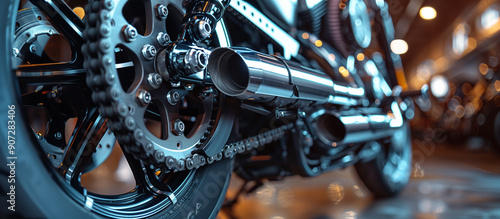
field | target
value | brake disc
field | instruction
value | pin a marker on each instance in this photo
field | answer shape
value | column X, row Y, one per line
column 33, row 31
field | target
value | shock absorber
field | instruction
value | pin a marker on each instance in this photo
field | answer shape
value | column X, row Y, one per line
column 202, row 17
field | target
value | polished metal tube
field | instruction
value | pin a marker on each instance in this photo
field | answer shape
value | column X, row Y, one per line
column 339, row 128
column 250, row 75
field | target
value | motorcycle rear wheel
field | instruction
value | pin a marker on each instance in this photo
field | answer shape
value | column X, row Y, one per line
column 388, row 173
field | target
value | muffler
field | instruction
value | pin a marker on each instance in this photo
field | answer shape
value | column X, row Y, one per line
column 254, row 76
column 355, row 126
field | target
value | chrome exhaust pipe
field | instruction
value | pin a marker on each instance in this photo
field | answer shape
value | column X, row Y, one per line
column 340, row 128
column 254, row 76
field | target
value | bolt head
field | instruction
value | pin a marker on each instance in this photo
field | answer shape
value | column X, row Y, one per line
column 206, row 92
column 161, row 12
column 130, row 33
column 196, row 60
column 179, row 127
column 58, row 135
column 155, row 80
column 144, row 97
column 173, row 97
column 163, row 39
column 33, row 48
column 148, row 51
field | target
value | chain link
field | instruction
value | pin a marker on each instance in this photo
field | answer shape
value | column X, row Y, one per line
column 239, row 147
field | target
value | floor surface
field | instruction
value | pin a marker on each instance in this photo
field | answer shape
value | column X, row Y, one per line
column 447, row 182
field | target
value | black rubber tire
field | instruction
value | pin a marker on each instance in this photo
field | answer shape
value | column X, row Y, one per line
column 38, row 191
column 371, row 172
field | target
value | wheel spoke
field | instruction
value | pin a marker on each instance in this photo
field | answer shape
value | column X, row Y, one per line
column 82, row 144
column 56, row 73
column 137, row 169
column 165, row 119
column 63, row 18
column 51, row 74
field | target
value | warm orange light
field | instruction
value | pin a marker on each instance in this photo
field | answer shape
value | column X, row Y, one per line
column 318, row 43
column 497, row 85
column 343, row 71
column 477, row 103
column 261, row 158
column 305, row 36
column 335, row 192
column 360, row 57
column 390, row 115
column 466, row 88
column 472, row 43
column 483, row 68
column 79, row 11
column 441, row 64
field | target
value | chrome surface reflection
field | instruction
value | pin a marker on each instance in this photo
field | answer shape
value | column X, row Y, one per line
column 251, row 75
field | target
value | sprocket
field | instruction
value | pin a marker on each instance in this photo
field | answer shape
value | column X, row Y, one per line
column 158, row 116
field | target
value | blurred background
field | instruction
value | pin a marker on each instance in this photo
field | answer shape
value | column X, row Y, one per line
column 453, row 46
